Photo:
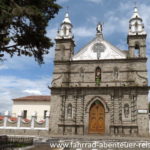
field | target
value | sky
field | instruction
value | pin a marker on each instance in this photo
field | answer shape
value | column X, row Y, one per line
column 22, row 76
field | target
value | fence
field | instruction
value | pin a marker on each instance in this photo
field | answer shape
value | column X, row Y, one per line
column 7, row 122
column 13, row 142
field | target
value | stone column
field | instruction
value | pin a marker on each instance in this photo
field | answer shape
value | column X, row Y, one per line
column 112, row 109
column 19, row 120
column 131, row 51
column 6, row 118
column 47, row 120
column 34, row 115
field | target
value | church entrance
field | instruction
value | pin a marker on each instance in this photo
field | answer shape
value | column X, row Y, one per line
column 97, row 118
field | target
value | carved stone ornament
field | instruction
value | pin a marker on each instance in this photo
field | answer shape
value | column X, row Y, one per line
column 99, row 48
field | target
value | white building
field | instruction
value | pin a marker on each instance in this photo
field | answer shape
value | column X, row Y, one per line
column 31, row 104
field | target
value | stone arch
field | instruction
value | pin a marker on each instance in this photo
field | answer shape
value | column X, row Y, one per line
column 137, row 49
column 98, row 75
column 69, row 111
column 96, row 118
column 102, row 101
column 65, row 30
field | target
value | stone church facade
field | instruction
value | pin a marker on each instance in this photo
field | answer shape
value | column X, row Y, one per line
column 101, row 89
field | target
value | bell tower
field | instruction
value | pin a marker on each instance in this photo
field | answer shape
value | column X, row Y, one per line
column 136, row 36
column 64, row 41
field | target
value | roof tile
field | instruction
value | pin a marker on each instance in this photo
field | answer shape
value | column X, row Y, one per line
column 34, row 98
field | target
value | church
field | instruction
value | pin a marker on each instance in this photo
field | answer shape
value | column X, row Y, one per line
column 100, row 89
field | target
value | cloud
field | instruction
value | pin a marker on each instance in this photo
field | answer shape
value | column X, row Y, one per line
column 116, row 23
column 122, row 44
column 32, row 92
column 14, row 87
column 94, row 20
column 52, row 32
column 2, row 67
column 95, row 1
column 84, row 31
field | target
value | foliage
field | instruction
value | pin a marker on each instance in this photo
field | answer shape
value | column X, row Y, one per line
column 23, row 27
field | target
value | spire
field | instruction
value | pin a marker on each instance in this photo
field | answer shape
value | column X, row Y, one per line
column 66, row 19
column 136, row 25
column 136, row 13
column 65, row 31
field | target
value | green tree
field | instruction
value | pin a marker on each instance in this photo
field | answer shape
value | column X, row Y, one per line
column 23, row 27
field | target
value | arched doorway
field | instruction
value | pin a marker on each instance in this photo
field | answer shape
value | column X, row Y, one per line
column 97, row 118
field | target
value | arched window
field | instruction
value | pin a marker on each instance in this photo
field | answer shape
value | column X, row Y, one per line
column 69, row 111
column 136, row 26
column 116, row 73
column 65, row 30
column 98, row 75
column 137, row 50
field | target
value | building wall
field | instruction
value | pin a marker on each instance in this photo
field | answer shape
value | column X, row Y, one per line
column 132, row 72
column 31, row 107
column 69, row 86
column 113, row 99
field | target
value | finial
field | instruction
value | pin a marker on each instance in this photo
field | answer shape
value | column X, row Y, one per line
column 135, row 10
column 67, row 12
column 135, row 4
column 66, row 15
column 135, row 7
column 67, row 18
column 67, row 8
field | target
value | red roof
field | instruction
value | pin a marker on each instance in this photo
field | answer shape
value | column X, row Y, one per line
column 1, row 117
column 33, row 98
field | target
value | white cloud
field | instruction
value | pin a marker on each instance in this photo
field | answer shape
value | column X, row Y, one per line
column 14, row 87
column 84, row 31
column 122, row 44
column 116, row 23
column 32, row 92
column 94, row 20
column 51, row 33
column 95, row 1
column 2, row 67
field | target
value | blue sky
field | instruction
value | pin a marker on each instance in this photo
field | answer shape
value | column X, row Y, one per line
column 22, row 76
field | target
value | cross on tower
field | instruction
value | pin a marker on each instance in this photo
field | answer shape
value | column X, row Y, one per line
column 67, row 9
column 98, row 48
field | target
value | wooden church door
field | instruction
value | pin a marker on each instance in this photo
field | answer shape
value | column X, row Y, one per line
column 97, row 118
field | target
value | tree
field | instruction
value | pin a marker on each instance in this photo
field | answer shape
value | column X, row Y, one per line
column 23, row 27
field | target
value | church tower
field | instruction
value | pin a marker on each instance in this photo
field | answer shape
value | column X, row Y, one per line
column 136, row 36
column 64, row 40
